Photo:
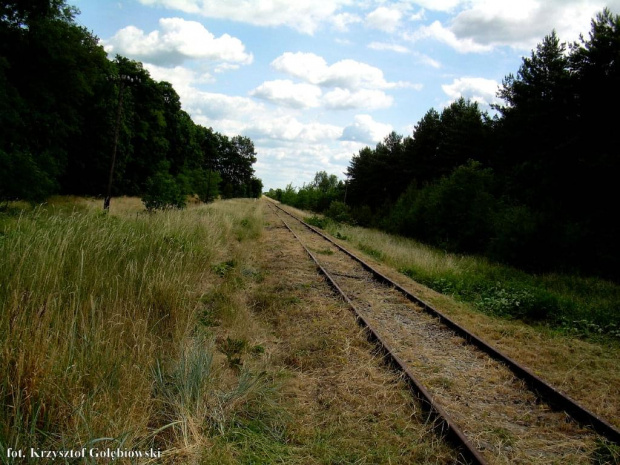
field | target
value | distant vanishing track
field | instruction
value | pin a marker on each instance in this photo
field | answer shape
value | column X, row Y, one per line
column 492, row 408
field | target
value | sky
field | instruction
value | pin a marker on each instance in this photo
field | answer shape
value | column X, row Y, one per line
column 311, row 82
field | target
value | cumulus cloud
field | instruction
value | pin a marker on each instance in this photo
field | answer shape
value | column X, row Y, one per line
column 483, row 25
column 442, row 34
column 346, row 74
column 384, row 19
column 366, row 130
column 288, row 128
column 305, row 16
column 180, row 77
column 344, row 99
column 480, row 90
column 524, row 23
column 177, row 40
column 216, row 106
column 287, row 93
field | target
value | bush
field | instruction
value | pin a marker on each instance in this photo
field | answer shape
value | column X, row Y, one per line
column 163, row 191
column 339, row 211
column 455, row 213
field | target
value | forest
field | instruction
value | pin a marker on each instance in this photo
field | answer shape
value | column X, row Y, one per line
column 533, row 185
column 73, row 121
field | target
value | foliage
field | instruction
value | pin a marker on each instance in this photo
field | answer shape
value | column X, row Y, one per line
column 533, row 186
column 163, row 191
column 455, row 213
column 339, row 211
column 318, row 195
column 86, row 107
column 205, row 184
column 122, row 293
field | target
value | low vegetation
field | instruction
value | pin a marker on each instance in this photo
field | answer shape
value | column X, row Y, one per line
column 582, row 306
column 183, row 331
column 111, row 326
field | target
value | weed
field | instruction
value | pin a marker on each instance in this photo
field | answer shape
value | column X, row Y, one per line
column 223, row 268
column 233, row 349
column 370, row 251
column 325, row 251
column 606, row 453
column 319, row 222
column 257, row 349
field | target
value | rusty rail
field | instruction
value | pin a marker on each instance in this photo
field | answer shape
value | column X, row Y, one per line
column 556, row 399
column 442, row 421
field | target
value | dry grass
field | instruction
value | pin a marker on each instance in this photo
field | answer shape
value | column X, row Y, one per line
column 587, row 369
column 483, row 397
column 104, row 333
column 345, row 406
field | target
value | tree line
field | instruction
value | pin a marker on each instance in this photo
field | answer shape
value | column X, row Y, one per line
column 65, row 109
column 535, row 185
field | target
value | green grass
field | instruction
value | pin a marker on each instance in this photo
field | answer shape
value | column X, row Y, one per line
column 103, row 326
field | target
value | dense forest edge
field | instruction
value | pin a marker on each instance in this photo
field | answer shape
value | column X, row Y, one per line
column 534, row 185
column 73, row 121
column 530, row 190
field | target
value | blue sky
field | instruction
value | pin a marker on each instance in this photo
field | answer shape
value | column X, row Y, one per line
column 313, row 81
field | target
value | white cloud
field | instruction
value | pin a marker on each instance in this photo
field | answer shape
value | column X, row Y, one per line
column 215, row 106
column 483, row 25
column 287, row 93
column 438, row 32
column 346, row 74
column 523, row 24
column 384, row 19
column 307, row 66
column 480, row 90
column 382, row 46
column 426, row 60
column 438, row 5
column 177, row 40
column 288, row 128
column 419, row 16
column 365, row 130
column 344, row 99
column 181, row 78
column 341, row 21
column 303, row 15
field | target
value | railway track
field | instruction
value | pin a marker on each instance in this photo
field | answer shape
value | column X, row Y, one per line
column 493, row 409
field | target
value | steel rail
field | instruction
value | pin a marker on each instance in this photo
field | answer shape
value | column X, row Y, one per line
column 443, row 421
column 554, row 397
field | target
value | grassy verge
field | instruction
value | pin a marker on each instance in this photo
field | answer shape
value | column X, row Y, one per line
column 582, row 306
column 114, row 328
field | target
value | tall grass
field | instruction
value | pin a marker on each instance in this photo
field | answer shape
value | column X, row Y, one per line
column 100, row 334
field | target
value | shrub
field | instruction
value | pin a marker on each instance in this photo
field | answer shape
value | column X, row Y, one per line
column 339, row 211
column 163, row 191
column 455, row 213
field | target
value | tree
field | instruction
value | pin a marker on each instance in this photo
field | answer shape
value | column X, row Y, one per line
column 205, row 184
column 539, row 121
column 422, row 149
